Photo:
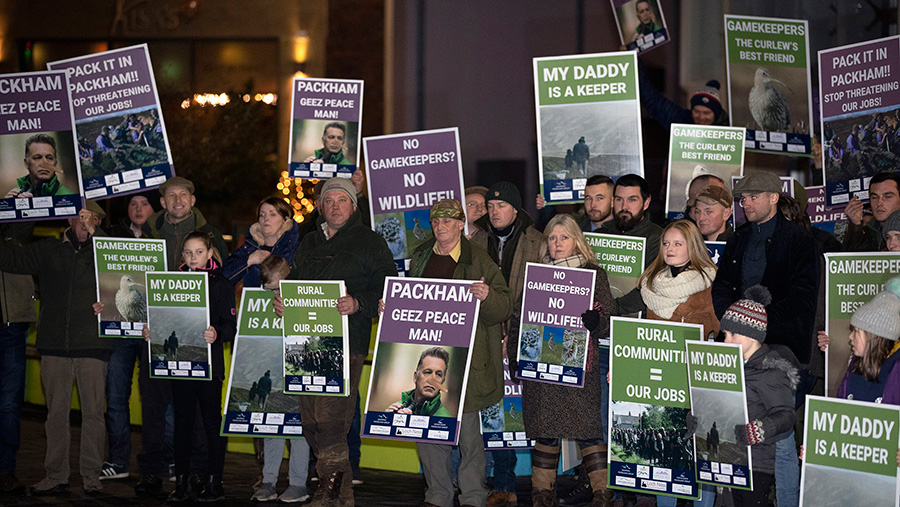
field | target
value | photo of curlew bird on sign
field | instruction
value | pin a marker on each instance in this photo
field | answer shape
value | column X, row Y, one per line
column 771, row 98
column 768, row 105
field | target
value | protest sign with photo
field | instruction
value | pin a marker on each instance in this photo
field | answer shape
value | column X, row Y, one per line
column 407, row 174
column 420, row 369
column 40, row 177
column 859, row 98
column 851, row 280
column 700, row 150
column 851, row 453
column 719, row 402
column 623, row 259
column 648, row 405
column 122, row 143
column 178, row 314
column 326, row 124
column 828, row 218
column 255, row 402
column 552, row 339
column 502, row 424
column 316, row 339
column 769, row 89
column 119, row 266
column 641, row 24
column 588, row 121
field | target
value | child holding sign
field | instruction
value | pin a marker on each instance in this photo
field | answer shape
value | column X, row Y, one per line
column 771, row 377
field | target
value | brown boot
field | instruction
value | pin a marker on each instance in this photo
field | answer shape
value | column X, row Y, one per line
column 328, row 493
column 502, row 499
column 594, row 461
column 543, row 498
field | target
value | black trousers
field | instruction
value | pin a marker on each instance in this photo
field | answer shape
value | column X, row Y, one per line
column 156, row 395
column 187, row 397
column 762, row 483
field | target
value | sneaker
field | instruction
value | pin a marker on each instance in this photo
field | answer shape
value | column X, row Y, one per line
column 357, row 474
column 265, row 493
column 294, row 494
column 111, row 471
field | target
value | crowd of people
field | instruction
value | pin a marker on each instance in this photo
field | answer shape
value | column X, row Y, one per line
column 327, row 363
column 656, row 446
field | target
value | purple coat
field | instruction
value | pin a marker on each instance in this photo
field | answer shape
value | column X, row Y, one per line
column 856, row 385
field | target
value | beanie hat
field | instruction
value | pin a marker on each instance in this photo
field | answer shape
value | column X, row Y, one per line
column 891, row 224
column 748, row 316
column 708, row 96
column 881, row 315
column 342, row 184
column 505, row 191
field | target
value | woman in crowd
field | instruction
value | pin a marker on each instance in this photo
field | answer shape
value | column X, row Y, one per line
column 274, row 233
column 890, row 229
column 553, row 412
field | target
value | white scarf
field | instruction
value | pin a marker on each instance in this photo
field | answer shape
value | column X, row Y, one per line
column 669, row 292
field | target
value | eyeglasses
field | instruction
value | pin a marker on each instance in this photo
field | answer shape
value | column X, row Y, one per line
column 475, row 205
column 752, row 198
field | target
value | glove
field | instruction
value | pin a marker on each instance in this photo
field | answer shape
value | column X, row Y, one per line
column 591, row 320
column 749, row 434
column 513, row 368
column 691, row 422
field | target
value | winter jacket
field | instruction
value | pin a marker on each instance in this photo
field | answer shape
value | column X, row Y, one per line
column 864, row 237
column 791, row 275
column 355, row 255
column 221, row 313
column 174, row 234
column 557, row 411
column 123, row 230
column 854, row 386
column 529, row 243
column 663, row 110
column 16, row 291
column 431, row 407
column 485, row 386
column 236, row 268
column 770, row 380
column 697, row 309
column 67, row 325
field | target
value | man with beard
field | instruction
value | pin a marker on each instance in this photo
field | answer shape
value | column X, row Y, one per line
column 630, row 203
column 884, row 198
column 429, row 376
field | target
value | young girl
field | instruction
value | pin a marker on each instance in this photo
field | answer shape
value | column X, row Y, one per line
column 187, row 395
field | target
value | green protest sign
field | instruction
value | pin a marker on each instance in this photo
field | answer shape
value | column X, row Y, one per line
column 178, row 314
column 316, row 339
column 623, row 259
column 766, row 41
column 650, row 451
column 851, row 279
column 119, row 265
column 718, row 401
column 590, row 78
column 256, row 404
column 850, row 453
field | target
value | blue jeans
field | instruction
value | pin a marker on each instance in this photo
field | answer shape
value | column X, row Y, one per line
column 787, row 472
column 12, row 391
column 505, row 470
column 603, row 367
column 707, row 498
column 118, row 390
column 353, row 440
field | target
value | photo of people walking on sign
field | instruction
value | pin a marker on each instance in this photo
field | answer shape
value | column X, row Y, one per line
column 257, row 381
column 650, row 435
column 312, row 357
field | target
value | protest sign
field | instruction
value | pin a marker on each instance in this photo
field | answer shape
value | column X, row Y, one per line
column 420, row 369
column 851, row 449
column 503, row 423
column 39, row 123
column 769, row 89
column 407, row 174
column 718, row 401
column 552, row 339
column 588, row 121
column 641, row 24
column 316, row 339
column 715, row 249
column 623, row 259
column 648, row 403
column 699, row 150
column 820, row 214
column 737, row 211
column 326, row 123
column 851, row 280
column 178, row 314
column 119, row 266
column 122, row 143
column 255, row 402
column 859, row 90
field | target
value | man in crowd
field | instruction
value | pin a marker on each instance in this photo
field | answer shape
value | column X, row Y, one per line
column 631, row 200
column 781, row 255
column 884, row 198
column 475, row 206
column 41, row 164
column 697, row 185
column 332, row 151
column 711, row 210
column 598, row 203
column 71, row 350
column 510, row 239
column 341, row 248
column 425, row 398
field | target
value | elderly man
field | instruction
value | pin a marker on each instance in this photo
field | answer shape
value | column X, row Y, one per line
column 71, row 350
column 425, row 397
column 475, row 206
column 340, row 248
column 711, row 210
column 41, row 164
column 449, row 255
column 332, row 151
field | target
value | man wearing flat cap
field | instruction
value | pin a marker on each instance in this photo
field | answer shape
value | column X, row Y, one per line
column 449, row 255
column 71, row 350
column 340, row 247
column 711, row 210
